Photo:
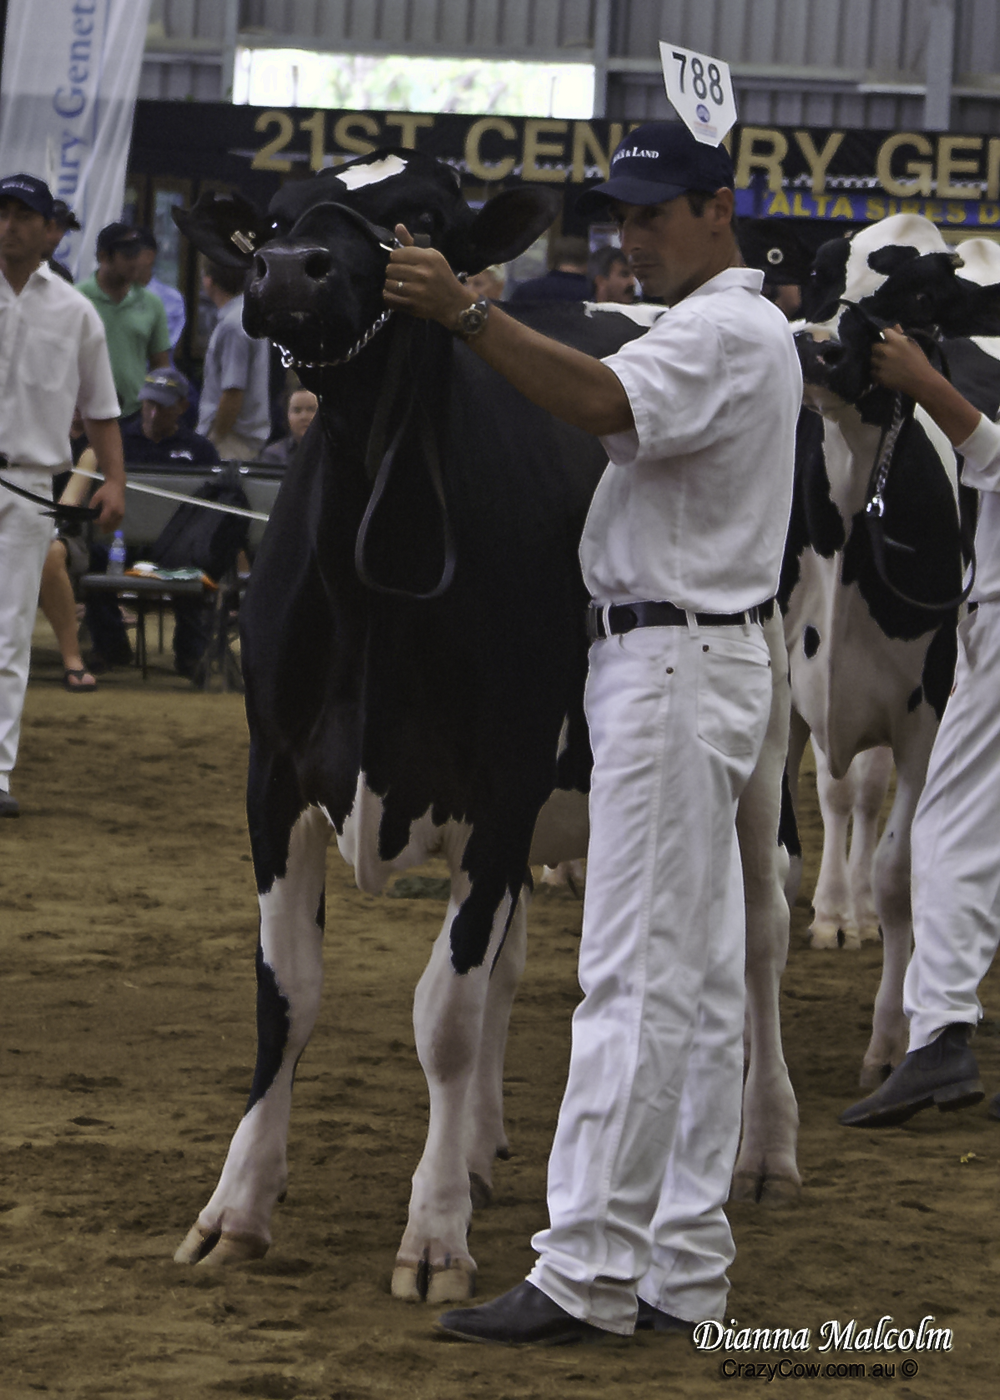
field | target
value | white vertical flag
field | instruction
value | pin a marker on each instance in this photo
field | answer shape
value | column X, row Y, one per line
column 67, row 100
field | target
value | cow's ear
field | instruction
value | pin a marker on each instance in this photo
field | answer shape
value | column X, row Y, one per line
column 975, row 310
column 504, row 227
column 227, row 228
column 891, row 258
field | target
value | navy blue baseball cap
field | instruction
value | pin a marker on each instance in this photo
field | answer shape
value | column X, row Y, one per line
column 656, row 162
column 29, row 190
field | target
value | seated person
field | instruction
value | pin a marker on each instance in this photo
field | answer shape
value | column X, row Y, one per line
column 566, row 280
column 154, row 438
column 67, row 558
column 300, row 411
column 157, row 437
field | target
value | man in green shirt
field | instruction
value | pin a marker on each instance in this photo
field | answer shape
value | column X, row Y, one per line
column 135, row 321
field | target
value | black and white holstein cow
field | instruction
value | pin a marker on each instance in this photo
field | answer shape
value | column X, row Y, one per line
column 414, row 654
column 871, row 604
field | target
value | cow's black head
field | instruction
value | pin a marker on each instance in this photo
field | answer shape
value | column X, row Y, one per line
column 316, row 265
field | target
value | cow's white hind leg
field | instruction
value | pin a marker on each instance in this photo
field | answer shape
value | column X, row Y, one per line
column 235, row 1225
column 766, row 1169
column 873, row 769
column 890, row 1032
column 460, row 1022
column 844, row 900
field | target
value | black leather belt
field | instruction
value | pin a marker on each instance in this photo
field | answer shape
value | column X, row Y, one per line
column 626, row 617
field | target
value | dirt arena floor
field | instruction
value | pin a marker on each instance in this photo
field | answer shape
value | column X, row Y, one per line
column 127, row 928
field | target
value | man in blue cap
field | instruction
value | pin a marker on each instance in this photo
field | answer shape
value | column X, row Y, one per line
column 53, row 358
column 681, row 553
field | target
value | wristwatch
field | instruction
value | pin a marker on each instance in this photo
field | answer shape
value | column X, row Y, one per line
column 472, row 320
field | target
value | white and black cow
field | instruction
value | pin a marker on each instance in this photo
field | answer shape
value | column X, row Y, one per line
column 414, row 654
column 872, row 647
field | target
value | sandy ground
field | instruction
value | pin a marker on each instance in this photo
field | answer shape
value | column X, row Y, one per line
column 127, row 927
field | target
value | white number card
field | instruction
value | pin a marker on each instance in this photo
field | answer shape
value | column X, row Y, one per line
column 701, row 91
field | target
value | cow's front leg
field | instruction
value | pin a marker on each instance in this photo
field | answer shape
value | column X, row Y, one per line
column 235, row 1225
column 766, row 1169
column 452, row 1016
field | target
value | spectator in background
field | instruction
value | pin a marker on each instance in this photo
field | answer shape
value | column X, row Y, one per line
column 134, row 319
column 173, row 302
column 567, row 279
column 63, row 219
column 489, row 283
column 234, row 413
column 611, row 275
column 68, row 559
column 301, row 410
column 156, row 436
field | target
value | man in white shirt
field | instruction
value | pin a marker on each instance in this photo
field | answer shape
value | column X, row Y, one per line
column 53, row 356
column 681, row 553
column 956, row 874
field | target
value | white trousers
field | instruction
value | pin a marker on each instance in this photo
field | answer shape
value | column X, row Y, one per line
column 956, row 843
column 649, row 1124
column 25, row 536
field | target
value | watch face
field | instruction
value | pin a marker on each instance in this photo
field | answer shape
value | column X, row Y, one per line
column 472, row 319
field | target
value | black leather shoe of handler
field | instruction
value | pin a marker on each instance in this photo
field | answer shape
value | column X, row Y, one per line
column 650, row 1319
column 943, row 1073
column 524, row 1316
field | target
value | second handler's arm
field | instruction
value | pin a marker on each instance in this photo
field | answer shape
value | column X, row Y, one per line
column 899, row 363
column 569, row 384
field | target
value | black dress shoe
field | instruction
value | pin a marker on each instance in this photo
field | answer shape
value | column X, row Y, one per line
column 9, row 806
column 650, row 1319
column 524, row 1316
column 943, row 1073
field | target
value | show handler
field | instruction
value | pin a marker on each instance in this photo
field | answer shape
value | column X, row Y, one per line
column 681, row 547
column 955, row 885
column 53, row 356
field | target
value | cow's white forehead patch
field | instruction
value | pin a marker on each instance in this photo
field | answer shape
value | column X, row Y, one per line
column 360, row 175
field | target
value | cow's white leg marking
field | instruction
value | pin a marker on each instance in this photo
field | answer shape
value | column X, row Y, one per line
column 452, row 1021
column 235, row 1225
column 891, row 878
column 765, row 1169
column 844, row 899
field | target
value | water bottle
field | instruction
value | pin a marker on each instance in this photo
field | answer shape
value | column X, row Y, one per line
column 116, row 554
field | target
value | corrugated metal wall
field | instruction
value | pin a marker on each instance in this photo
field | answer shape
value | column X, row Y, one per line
column 814, row 62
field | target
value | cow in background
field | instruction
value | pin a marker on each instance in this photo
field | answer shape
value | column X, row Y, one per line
column 868, row 666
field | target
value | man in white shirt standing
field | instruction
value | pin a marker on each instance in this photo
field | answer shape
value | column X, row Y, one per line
column 53, row 356
column 681, row 553
column 956, row 874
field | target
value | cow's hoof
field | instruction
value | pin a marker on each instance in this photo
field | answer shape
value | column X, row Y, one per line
column 773, row 1192
column 824, row 936
column 480, row 1191
column 453, row 1282
column 215, row 1248
column 779, row 1192
column 873, row 1076
column 870, row 932
column 852, row 938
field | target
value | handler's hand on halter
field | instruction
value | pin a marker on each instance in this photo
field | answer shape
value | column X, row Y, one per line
column 421, row 282
column 899, row 363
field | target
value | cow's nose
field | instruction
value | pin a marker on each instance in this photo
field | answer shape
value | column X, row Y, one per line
column 317, row 264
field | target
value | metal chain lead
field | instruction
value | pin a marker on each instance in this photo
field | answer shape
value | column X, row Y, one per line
column 288, row 360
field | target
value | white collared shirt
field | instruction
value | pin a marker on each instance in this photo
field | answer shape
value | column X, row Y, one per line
column 982, row 470
column 693, row 506
column 53, row 356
